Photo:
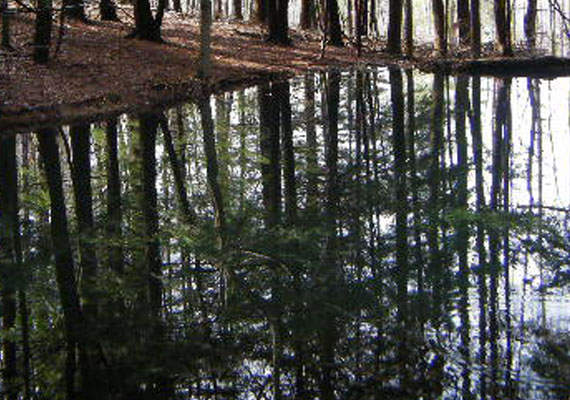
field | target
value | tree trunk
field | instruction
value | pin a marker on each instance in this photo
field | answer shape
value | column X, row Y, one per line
column 260, row 12
column 332, row 23
column 5, row 25
column 530, row 24
column 74, row 9
column 503, row 27
column 307, row 14
column 205, row 40
column 42, row 35
column 108, row 10
column 463, row 22
column 409, row 28
column 278, row 22
column 440, row 44
column 475, row 28
column 147, row 26
column 238, row 13
column 395, row 27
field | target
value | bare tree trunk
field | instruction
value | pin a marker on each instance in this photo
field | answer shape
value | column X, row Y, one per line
column 530, row 24
column 42, row 35
column 475, row 28
column 108, row 10
column 205, row 39
column 440, row 45
column 409, row 28
column 5, row 25
column 308, row 14
column 238, row 13
column 463, row 21
column 395, row 27
column 503, row 27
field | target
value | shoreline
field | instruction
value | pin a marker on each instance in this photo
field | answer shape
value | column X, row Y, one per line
column 99, row 73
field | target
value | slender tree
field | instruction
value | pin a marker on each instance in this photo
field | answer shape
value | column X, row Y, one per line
column 503, row 27
column 308, row 14
column 42, row 35
column 475, row 26
column 463, row 20
column 530, row 24
column 238, row 13
column 278, row 21
column 205, row 39
column 440, row 45
column 333, row 30
column 74, row 9
column 5, row 25
column 108, row 10
column 409, row 28
column 394, row 45
column 147, row 25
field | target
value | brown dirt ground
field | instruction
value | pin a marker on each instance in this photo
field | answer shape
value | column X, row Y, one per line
column 99, row 71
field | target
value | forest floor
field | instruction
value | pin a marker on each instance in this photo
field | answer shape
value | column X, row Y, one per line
column 98, row 71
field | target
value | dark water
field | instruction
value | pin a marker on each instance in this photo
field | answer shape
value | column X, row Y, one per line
column 358, row 235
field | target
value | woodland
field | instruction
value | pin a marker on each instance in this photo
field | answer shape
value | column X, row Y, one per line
column 63, row 59
column 274, row 199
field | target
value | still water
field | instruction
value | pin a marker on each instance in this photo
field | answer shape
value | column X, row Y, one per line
column 373, row 234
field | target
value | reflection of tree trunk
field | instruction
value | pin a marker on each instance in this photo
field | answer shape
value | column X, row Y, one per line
column 178, row 173
column 64, row 268
column 329, row 268
column 290, row 186
column 312, row 156
column 152, row 256
column 22, row 296
column 434, row 178
column 10, row 260
column 501, row 105
column 462, row 235
column 506, row 150
column 401, row 201
column 270, row 124
column 114, row 208
column 212, row 172
column 480, row 239
column 270, row 153
column 81, row 177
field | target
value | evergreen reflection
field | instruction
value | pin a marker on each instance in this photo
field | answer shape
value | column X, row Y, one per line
column 365, row 235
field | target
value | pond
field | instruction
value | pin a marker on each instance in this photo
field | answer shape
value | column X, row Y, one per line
column 370, row 234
